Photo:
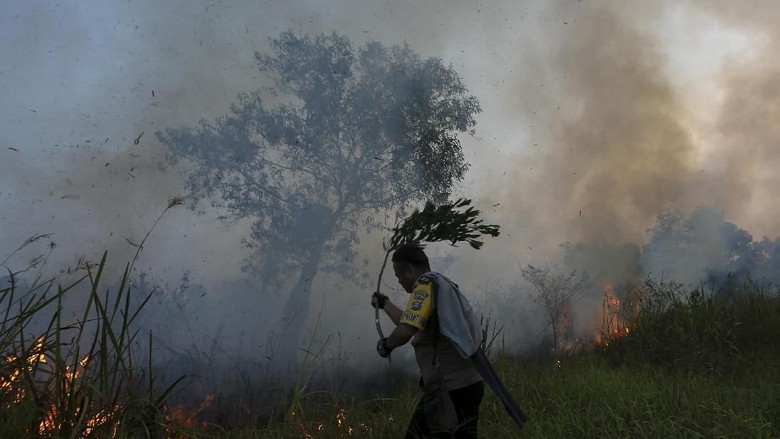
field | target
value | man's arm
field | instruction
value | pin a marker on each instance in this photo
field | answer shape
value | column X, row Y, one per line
column 393, row 311
column 402, row 332
column 400, row 335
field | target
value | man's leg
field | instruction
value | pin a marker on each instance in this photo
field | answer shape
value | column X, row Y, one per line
column 467, row 401
column 418, row 425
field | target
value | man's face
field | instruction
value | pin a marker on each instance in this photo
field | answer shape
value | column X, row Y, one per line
column 406, row 275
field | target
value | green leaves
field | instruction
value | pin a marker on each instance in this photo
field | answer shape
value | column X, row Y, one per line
column 447, row 222
column 344, row 129
column 454, row 222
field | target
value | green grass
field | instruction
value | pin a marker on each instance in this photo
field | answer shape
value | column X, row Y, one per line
column 693, row 365
column 589, row 397
column 584, row 397
column 76, row 378
column 68, row 373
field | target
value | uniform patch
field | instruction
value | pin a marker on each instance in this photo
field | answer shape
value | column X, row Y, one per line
column 419, row 306
column 414, row 320
column 420, row 295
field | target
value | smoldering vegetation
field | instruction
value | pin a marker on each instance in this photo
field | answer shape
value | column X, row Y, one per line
column 616, row 176
column 221, row 369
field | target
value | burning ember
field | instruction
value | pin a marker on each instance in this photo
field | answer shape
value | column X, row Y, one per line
column 341, row 425
column 186, row 415
column 615, row 323
column 563, row 332
column 52, row 385
column 12, row 384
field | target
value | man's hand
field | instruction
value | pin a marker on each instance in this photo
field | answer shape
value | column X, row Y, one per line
column 382, row 349
column 378, row 300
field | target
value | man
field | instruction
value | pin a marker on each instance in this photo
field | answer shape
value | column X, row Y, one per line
column 444, row 333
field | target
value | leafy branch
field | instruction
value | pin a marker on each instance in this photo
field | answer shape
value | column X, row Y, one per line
column 454, row 222
column 442, row 223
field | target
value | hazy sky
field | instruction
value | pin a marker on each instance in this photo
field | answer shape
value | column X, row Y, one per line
column 597, row 115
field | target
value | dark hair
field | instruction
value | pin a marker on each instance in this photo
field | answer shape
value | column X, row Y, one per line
column 413, row 255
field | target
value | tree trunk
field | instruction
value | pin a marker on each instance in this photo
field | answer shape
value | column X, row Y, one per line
column 296, row 308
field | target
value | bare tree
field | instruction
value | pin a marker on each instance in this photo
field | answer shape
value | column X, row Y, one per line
column 556, row 291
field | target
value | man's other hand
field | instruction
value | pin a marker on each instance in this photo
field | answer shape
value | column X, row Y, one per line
column 378, row 300
column 382, row 349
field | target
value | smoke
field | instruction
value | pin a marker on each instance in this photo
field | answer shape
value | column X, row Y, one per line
column 624, row 112
column 622, row 124
column 746, row 122
column 618, row 153
column 597, row 117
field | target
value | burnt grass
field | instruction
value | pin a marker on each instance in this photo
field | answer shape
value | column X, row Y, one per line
column 691, row 363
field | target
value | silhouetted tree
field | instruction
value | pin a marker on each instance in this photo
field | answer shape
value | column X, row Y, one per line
column 767, row 271
column 701, row 248
column 349, row 132
column 557, row 292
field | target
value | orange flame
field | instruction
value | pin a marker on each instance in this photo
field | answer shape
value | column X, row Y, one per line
column 612, row 323
column 344, row 428
column 66, row 380
column 615, row 323
column 563, row 331
column 11, row 384
column 184, row 415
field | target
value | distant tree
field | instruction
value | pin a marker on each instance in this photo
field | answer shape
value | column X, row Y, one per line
column 767, row 271
column 557, row 292
column 350, row 132
column 701, row 248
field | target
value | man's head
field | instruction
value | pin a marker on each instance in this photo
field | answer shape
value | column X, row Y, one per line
column 409, row 263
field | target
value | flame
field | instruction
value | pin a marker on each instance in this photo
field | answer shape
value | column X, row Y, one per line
column 12, row 384
column 66, row 380
column 342, row 425
column 7, row 385
column 615, row 322
column 104, row 415
column 184, row 415
column 341, row 416
column 563, row 331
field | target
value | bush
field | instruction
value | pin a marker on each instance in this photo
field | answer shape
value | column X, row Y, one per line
column 686, row 330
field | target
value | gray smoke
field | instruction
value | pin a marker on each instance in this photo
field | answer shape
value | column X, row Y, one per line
column 597, row 117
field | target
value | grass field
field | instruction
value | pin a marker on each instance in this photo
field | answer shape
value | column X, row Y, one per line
column 583, row 398
column 688, row 365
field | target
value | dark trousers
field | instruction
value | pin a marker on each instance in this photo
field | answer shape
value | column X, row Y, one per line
column 466, row 400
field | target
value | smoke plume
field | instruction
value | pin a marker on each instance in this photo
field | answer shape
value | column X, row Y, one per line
column 597, row 118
